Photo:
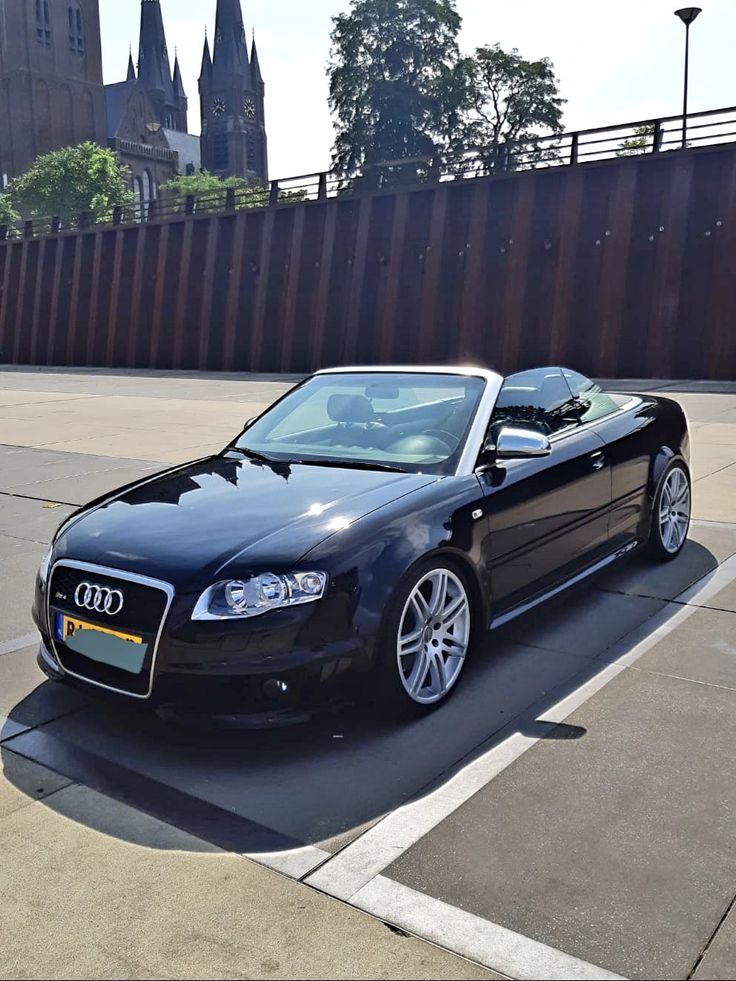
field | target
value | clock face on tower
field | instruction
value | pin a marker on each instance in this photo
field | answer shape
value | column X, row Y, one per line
column 249, row 108
column 218, row 107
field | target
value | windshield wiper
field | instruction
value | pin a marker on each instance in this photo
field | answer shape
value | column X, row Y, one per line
column 351, row 465
column 252, row 454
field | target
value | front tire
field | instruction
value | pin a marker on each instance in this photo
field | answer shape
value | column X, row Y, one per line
column 671, row 514
column 425, row 639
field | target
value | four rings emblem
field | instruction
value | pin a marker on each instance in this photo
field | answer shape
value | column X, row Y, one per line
column 89, row 596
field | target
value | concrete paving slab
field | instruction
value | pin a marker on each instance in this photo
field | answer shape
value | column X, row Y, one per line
column 27, row 698
column 701, row 649
column 709, row 458
column 149, row 901
column 323, row 783
column 714, row 497
column 19, row 568
column 640, row 576
column 37, row 782
column 78, row 490
column 31, row 520
column 616, row 847
column 720, row 958
column 585, row 622
column 720, row 433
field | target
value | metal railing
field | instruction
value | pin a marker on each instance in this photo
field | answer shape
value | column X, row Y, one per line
column 711, row 128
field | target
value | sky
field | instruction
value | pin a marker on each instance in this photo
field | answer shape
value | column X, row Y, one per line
column 616, row 62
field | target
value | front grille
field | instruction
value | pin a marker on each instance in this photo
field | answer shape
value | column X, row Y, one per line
column 144, row 607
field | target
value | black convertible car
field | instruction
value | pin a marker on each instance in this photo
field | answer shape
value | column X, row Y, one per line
column 368, row 526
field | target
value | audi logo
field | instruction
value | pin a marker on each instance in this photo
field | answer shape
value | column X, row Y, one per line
column 89, row 596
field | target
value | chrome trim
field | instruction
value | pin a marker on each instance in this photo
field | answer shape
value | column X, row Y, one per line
column 517, row 443
column 518, row 611
column 102, row 570
column 413, row 369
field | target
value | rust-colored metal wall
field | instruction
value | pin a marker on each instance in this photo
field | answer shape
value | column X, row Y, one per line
column 625, row 268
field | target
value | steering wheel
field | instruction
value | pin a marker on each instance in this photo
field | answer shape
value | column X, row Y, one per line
column 452, row 441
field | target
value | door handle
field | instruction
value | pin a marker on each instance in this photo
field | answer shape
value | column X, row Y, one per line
column 599, row 460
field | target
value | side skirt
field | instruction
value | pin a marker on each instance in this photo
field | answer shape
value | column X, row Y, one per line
column 518, row 611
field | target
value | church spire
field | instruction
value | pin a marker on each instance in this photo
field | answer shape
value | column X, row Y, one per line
column 231, row 50
column 255, row 66
column 154, row 67
column 131, row 67
column 179, row 92
column 206, row 59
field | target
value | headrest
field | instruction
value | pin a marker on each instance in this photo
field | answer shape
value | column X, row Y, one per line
column 349, row 408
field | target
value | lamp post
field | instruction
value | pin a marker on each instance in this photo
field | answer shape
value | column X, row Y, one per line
column 687, row 15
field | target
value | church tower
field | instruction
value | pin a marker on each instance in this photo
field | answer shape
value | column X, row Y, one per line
column 232, row 94
column 51, row 92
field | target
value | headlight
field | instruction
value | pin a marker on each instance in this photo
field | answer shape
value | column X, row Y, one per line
column 239, row 598
column 43, row 572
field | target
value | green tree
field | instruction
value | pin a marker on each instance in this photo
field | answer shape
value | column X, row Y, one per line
column 509, row 99
column 639, row 143
column 394, row 82
column 210, row 192
column 68, row 182
column 8, row 216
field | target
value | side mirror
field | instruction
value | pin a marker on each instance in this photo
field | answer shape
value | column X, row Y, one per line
column 521, row 444
column 249, row 422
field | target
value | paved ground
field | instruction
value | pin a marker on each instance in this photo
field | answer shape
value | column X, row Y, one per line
column 570, row 813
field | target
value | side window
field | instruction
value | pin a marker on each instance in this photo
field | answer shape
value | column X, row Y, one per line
column 539, row 399
column 593, row 402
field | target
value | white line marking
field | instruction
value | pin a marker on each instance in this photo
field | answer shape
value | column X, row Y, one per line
column 11, row 646
column 354, row 867
column 295, row 863
column 471, row 936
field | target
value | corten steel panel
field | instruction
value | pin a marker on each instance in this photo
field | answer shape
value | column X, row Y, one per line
column 298, row 356
column 10, row 299
column 643, row 256
column 687, row 351
column 197, row 281
column 139, row 348
column 443, row 321
column 613, row 272
column 164, row 328
column 472, row 314
column 272, row 306
column 47, row 268
column 214, row 300
column 26, row 294
column 97, row 341
column 541, row 272
column 330, row 333
column 667, row 286
column 364, row 345
column 241, row 315
column 721, row 360
column 580, row 347
column 78, row 338
column 412, row 258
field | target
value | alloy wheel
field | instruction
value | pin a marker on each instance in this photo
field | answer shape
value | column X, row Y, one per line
column 434, row 634
column 674, row 510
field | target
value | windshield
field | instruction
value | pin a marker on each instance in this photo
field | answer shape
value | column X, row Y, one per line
column 412, row 422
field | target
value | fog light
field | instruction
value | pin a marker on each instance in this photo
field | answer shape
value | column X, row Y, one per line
column 275, row 688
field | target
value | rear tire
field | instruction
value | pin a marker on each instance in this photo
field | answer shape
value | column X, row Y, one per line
column 671, row 512
column 425, row 639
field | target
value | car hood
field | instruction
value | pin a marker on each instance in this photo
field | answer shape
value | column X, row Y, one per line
column 226, row 515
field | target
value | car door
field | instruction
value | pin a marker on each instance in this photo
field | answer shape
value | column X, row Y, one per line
column 548, row 516
column 622, row 422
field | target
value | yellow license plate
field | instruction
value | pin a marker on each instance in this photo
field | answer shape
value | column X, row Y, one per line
column 71, row 626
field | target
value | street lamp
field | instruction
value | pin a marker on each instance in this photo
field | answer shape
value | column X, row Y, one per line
column 687, row 15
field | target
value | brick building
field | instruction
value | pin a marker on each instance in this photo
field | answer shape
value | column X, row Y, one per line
column 51, row 91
